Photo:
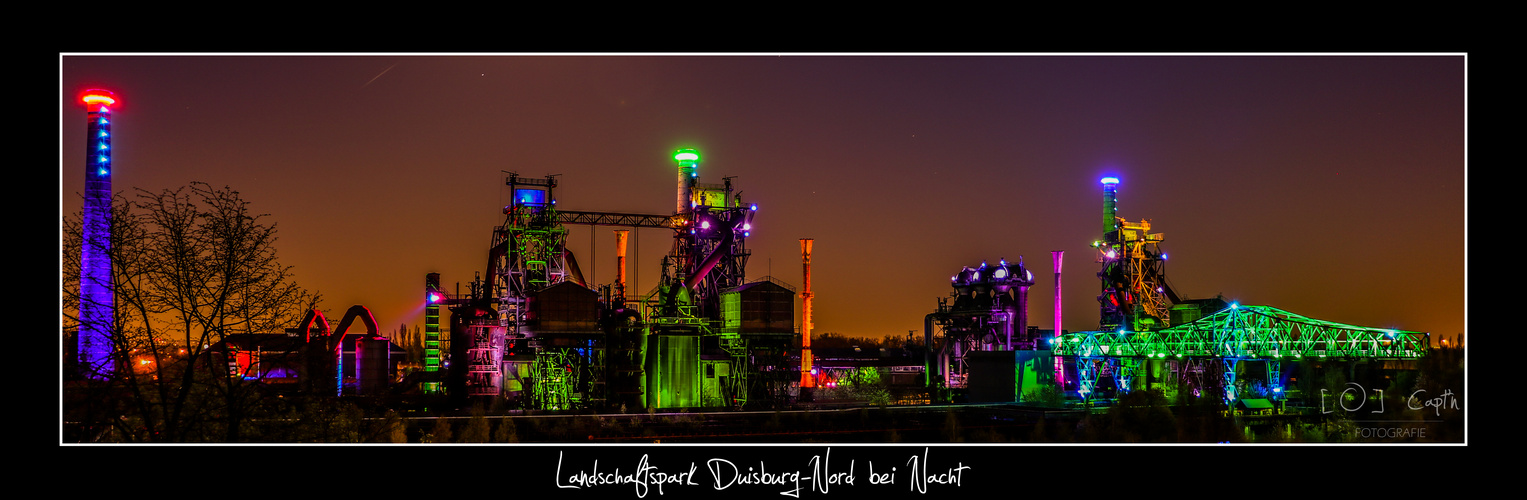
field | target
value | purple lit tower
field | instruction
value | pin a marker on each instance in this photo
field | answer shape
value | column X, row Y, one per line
column 97, row 306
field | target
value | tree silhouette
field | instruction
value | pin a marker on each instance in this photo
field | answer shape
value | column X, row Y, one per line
column 190, row 266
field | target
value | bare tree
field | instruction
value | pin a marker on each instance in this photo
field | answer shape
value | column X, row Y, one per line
column 190, row 266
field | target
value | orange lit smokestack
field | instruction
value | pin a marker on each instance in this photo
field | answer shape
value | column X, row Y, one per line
column 806, row 379
column 620, row 263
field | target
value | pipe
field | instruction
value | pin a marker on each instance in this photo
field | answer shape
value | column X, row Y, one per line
column 729, row 235
column 1023, row 314
column 307, row 324
column 357, row 311
column 571, row 272
column 493, row 256
column 928, row 368
column 335, row 345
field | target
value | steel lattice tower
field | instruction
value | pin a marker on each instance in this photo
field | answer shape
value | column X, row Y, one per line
column 97, row 308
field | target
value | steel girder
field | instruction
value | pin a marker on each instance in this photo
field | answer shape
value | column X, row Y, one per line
column 1251, row 332
column 1242, row 332
column 619, row 219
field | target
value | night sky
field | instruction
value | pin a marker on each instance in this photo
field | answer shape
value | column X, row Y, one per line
column 1328, row 186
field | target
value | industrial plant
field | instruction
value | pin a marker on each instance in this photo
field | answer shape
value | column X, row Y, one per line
column 533, row 333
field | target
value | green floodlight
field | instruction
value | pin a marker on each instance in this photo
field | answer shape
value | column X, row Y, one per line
column 686, row 156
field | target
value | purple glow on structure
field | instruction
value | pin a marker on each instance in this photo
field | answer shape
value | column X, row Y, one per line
column 96, row 300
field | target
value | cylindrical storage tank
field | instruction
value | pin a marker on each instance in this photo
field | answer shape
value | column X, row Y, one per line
column 372, row 364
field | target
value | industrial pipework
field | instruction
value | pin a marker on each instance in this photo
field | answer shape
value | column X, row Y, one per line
column 535, row 330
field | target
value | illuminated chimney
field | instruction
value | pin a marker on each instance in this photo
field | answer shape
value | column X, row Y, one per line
column 689, row 162
column 620, row 264
column 806, row 379
column 97, row 305
column 1110, row 202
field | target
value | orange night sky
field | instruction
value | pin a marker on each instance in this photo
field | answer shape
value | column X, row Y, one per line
column 1331, row 186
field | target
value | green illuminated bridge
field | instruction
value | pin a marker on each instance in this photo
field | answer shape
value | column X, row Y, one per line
column 1216, row 343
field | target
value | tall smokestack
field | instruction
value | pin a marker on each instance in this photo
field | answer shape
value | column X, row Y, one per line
column 1110, row 202
column 1060, row 373
column 97, row 304
column 807, row 381
column 1057, row 255
column 689, row 162
column 620, row 264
